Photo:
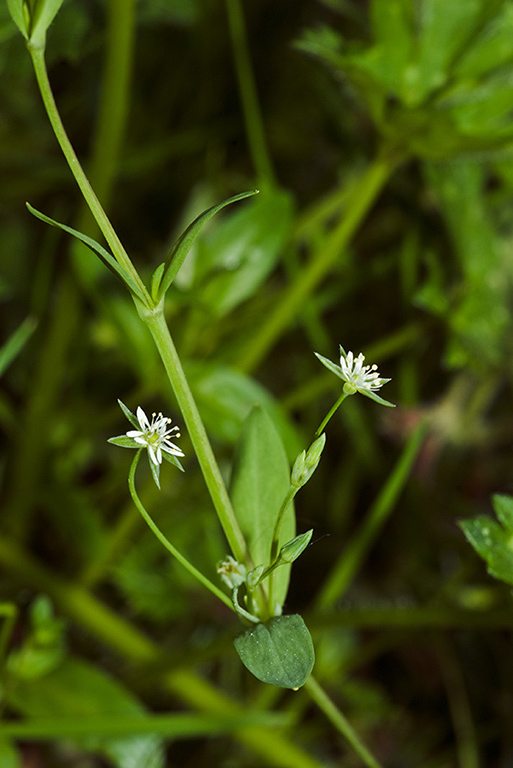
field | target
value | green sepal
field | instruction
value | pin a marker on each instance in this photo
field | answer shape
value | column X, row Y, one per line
column 279, row 652
column 123, row 441
column 377, row 398
column 330, row 365
column 132, row 418
column 96, row 248
column 172, row 459
column 155, row 471
column 184, row 243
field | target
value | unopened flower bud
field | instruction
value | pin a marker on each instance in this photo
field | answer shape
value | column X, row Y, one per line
column 254, row 576
column 306, row 463
column 292, row 549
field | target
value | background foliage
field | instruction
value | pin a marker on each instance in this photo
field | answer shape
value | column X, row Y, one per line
column 401, row 107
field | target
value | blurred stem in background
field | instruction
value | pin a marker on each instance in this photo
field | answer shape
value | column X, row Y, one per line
column 249, row 95
column 346, row 568
column 323, row 259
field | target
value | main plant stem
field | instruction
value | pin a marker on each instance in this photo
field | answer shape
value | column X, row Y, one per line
column 39, row 64
column 215, row 484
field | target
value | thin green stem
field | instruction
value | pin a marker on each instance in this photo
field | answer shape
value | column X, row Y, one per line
column 165, row 541
column 38, row 61
column 325, row 256
column 215, row 484
column 276, row 539
column 340, row 722
column 330, row 413
column 347, row 566
column 240, row 610
column 248, row 93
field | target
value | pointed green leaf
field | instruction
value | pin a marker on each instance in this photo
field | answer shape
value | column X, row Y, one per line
column 43, row 13
column 156, row 279
column 279, row 652
column 19, row 17
column 96, row 248
column 184, row 243
column 260, row 482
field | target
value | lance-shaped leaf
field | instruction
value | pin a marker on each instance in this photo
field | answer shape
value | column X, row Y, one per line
column 20, row 16
column 96, row 248
column 184, row 243
column 259, row 484
column 42, row 14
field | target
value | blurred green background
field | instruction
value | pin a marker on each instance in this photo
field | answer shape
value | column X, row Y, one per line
column 393, row 116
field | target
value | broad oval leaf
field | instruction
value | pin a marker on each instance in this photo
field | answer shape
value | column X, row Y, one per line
column 279, row 652
column 259, row 484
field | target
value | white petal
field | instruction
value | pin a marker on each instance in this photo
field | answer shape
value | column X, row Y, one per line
column 142, row 418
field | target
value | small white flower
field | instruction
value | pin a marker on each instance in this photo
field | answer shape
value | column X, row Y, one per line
column 155, row 435
column 231, row 572
column 358, row 377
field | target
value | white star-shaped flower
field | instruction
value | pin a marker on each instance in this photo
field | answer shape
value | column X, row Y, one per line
column 154, row 435
column 358, row 377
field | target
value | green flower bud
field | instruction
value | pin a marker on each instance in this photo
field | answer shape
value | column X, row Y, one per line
column 254, row 576
column 306, row 463
column 292, row 549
